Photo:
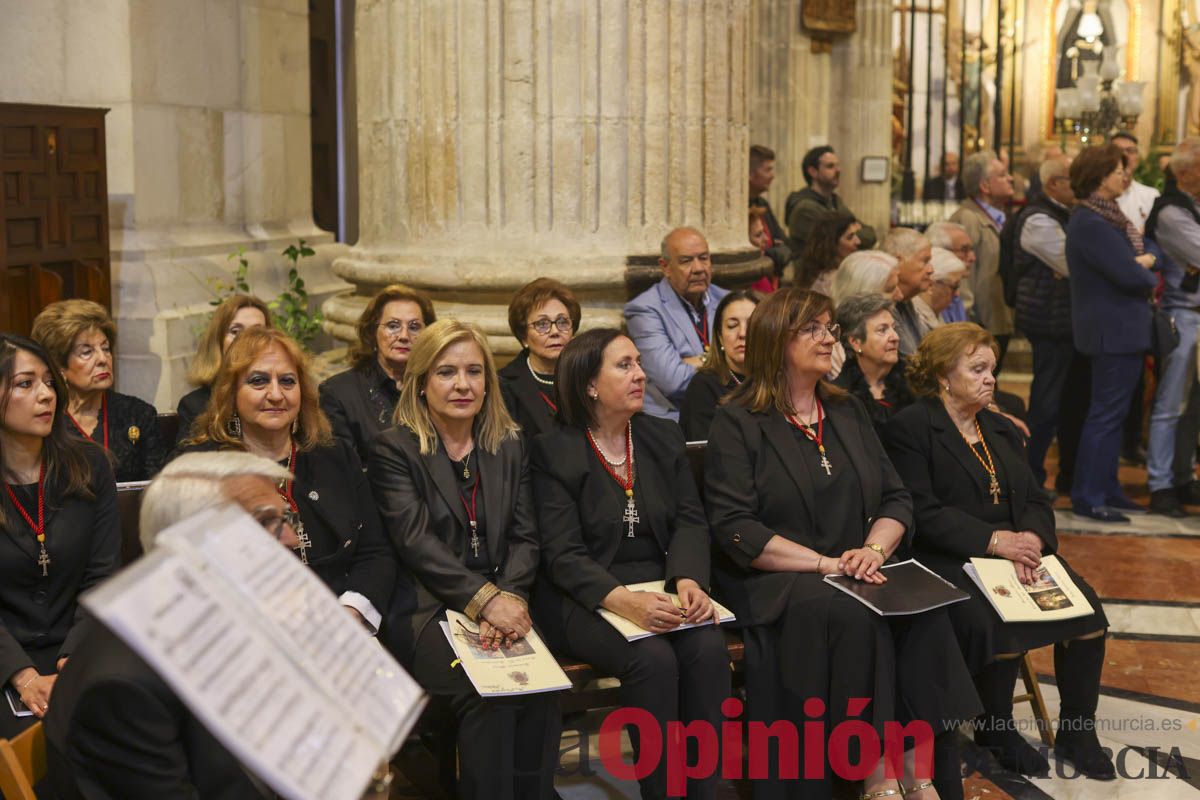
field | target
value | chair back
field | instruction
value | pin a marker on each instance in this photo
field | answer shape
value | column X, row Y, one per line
column 22, row 763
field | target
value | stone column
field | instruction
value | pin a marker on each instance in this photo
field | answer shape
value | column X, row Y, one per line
column 504, row 141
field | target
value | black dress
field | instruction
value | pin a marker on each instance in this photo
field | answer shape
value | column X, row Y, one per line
column 804, row 638
column 896, row 394
column 349, row 550
column 128, row 428
column 359, row 403
column 587, row 553
column 530, row 401
column 700, row 403
column 426, row 516
column 955, row 519
column 191, row 406
column 40, row 614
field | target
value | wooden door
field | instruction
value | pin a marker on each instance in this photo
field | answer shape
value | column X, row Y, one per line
column 53, row 210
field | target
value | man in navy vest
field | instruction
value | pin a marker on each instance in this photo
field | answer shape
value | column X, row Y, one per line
column 1043, row 311
column 1174, row 223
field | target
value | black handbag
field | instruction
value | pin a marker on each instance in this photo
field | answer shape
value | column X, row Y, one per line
column 1164, row 336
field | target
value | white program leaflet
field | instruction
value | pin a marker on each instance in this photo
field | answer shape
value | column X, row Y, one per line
column 308, row 617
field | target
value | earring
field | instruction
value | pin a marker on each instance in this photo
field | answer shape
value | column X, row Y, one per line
column 234, row 426
column 593, row 394
column 859, row 351
column 295, row 425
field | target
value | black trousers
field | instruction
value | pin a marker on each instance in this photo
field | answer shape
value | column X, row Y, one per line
column 681, row 676
column 507, row 747
column 1051, row 368
column 1076, row 398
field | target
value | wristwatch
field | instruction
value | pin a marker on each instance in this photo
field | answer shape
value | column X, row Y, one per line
column 877, row 548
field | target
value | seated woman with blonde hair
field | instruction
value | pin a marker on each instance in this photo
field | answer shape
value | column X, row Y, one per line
column 80, row 336
column 453, row 484
column 236, row 313
column 975, row 496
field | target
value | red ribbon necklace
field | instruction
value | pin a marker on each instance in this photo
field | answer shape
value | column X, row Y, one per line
column 39, row 528
column 472, row 516
column 548, row 401
column 819, row 437
column 630, row 517
column 285, row 491
column 103, row 421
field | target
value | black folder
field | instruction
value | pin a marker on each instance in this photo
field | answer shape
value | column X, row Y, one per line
column 911, row 588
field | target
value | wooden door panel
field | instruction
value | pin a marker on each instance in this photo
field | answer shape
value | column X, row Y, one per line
column 53, row 209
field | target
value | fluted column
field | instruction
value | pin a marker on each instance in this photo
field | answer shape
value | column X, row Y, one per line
column 500, row 140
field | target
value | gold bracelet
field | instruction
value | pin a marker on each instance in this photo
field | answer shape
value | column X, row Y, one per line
column 481, row 599
column 512, row 596
column 991, row 549
column 820, row 558
column 877, row 548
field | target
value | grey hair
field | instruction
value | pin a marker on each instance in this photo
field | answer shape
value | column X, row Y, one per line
column 1053, row 168
column 863, row 272
column 195, row 482
column 939, row 233
column 1184, row 156
column 903, row 242
column 975, row 170
column 945, row 264
column 854, row 311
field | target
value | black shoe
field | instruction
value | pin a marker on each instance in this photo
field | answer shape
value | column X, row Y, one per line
column 1134, row 456
column 1166, row 502
column 1122, row 503
column 1100, row 513
column 1013, row 752
column 1083, row 749
column 1189, row 493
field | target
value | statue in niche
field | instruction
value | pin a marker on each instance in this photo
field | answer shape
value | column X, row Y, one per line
column 1191, row 63
column 979, row 92
column 1086, row 30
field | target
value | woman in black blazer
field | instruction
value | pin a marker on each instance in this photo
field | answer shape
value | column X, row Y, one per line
column 874, row 369
column 360, row 401
column 452, row 480
column 948, row 448
column 797, row 488
column 543, row 315
column 236, row 313
column 79, row 336
column 264, row 401
column 617, row 505
column 59, row 532
column 724, row 365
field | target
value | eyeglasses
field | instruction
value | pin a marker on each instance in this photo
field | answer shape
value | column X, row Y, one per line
column 273, row 521
column 543, row 325
column 817, row 331
column 395, row 327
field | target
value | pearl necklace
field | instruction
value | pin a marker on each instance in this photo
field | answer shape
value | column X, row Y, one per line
column 605, row 455
column 537, row 377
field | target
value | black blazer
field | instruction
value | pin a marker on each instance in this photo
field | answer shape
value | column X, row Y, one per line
column 523, row 397
column 337, row 508
column 935, row 189
column 83, row 540
column 116, row 732
column 582, row 529
column 699, row 404
column 134, row 438
column 423, row 515
column 755, row 490
column 949, row 487
column 359, row 403
column 191, row 405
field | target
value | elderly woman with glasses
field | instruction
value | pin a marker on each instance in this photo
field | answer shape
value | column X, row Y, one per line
column 798, row 488
column 264, row 401
column 874, row 369
column 359, row 402
column 79, row 336
column 948, row 274
column 543, row 315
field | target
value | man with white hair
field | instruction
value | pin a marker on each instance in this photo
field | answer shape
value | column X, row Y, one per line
column 1174, row 223
column 953, row 237
column 989, row 189
column 914, row 252
column 1043, row 310
column 116, row 730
